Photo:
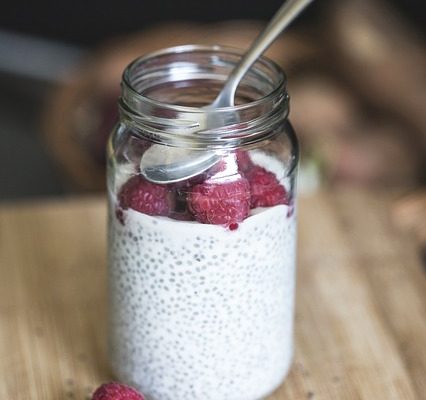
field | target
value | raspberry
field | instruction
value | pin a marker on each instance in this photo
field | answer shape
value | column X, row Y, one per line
column 243, row 160
column 218, row 203
column 146, row 197
column 116, row 391
column 265, row 189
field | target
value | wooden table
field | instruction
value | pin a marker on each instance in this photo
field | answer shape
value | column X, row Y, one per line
column 361, row 302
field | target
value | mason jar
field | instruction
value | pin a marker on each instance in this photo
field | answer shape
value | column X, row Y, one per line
column 202, row 269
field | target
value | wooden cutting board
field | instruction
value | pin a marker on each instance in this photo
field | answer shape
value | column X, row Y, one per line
column 361, row 302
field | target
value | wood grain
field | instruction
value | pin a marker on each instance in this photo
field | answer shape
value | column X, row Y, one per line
column 361, row 302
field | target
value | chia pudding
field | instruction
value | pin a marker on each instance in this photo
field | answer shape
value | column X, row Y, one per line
column 199, row 308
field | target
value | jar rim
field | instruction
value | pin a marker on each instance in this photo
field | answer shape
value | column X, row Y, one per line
column 279, row 87
column 262, row 91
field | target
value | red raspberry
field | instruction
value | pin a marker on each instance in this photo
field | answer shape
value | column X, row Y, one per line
column 146, row 197
column 243, row 160
column 218, row 203
column 265, row 189
column 116, row 391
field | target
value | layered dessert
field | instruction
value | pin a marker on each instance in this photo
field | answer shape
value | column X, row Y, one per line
column 202, row 277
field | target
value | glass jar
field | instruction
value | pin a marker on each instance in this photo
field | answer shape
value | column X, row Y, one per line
column 202, row 271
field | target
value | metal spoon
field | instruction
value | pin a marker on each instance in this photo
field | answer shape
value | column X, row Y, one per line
column 178, row 163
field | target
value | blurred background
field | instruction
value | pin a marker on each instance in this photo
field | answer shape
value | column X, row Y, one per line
column 357, row 81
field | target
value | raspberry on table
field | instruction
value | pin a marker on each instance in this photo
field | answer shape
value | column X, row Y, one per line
column 146, row 197
column 266, row 190
column 116, row 391
column 220, row 203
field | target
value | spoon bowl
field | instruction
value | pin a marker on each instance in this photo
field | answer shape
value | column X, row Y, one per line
column 160, row 164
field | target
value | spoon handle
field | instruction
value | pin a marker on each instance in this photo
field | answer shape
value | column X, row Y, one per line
column 282, row 18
